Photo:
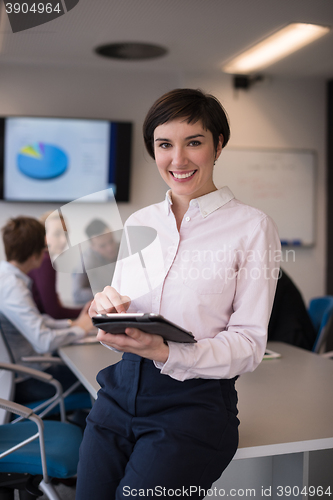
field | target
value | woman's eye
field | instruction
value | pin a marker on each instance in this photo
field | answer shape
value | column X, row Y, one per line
column 194, row 143
column 164, row 145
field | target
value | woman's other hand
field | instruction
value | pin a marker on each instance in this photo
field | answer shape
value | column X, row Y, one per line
column 137, row 342
column 109, row 301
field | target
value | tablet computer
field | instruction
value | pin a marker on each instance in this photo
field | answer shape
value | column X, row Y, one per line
column 147, row 322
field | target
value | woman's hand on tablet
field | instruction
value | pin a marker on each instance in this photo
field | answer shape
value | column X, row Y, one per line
column 109, row 301
column 137, row 342
column 133, row 340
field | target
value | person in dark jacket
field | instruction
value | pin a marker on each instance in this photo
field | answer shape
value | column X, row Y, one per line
column 290, row 321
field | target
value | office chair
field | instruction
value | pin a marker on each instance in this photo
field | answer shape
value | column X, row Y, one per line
column 321, row 314
column 29, row 459
column 73, row 400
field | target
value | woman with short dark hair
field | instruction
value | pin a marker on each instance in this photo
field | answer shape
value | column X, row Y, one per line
column 194, row 106
column 166, row 416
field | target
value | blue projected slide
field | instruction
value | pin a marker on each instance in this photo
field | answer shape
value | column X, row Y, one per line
column 63, row 159
column 42, row 161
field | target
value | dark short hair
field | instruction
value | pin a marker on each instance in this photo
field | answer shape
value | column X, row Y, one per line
column 22, row 238
column 190, row 104
column 95, row 228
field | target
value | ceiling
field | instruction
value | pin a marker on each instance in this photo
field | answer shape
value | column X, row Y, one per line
column 200, row 35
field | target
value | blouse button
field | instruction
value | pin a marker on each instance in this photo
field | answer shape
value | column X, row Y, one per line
column 188, row 219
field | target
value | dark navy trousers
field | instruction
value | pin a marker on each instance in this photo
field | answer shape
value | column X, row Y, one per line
column 152, row 436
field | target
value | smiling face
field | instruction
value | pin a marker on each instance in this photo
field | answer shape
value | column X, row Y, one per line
column 185, row 156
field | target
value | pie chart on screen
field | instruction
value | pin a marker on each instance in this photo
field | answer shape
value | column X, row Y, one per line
column 42, row 161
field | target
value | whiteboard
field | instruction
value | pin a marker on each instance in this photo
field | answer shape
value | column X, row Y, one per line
column 281, row 183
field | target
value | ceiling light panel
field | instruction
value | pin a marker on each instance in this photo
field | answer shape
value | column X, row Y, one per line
column 275, row 47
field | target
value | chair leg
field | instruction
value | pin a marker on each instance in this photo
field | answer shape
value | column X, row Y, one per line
column 49, row 491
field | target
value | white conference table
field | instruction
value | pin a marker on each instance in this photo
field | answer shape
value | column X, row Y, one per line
column 285, row 409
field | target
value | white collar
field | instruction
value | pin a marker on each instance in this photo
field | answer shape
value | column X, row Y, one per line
column 207, row 203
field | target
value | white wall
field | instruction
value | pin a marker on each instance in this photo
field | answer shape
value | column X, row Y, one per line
column 278, row 113
column 281, row 113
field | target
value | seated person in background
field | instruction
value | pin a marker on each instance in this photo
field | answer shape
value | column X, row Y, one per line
column 99, row 258
column 290, row 321
column 27, row 331
column 44, row 277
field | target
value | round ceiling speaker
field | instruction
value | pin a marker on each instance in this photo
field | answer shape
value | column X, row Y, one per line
column 131, row 51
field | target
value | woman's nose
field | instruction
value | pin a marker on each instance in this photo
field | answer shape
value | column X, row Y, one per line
column 179, row 157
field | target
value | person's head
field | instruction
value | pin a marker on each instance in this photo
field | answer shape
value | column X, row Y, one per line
column 55, row 228
column 23, row 237
column 191, row 105
column 101, row 239
column 185, row 131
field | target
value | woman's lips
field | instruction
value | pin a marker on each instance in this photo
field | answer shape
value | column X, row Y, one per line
column 183, row 176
